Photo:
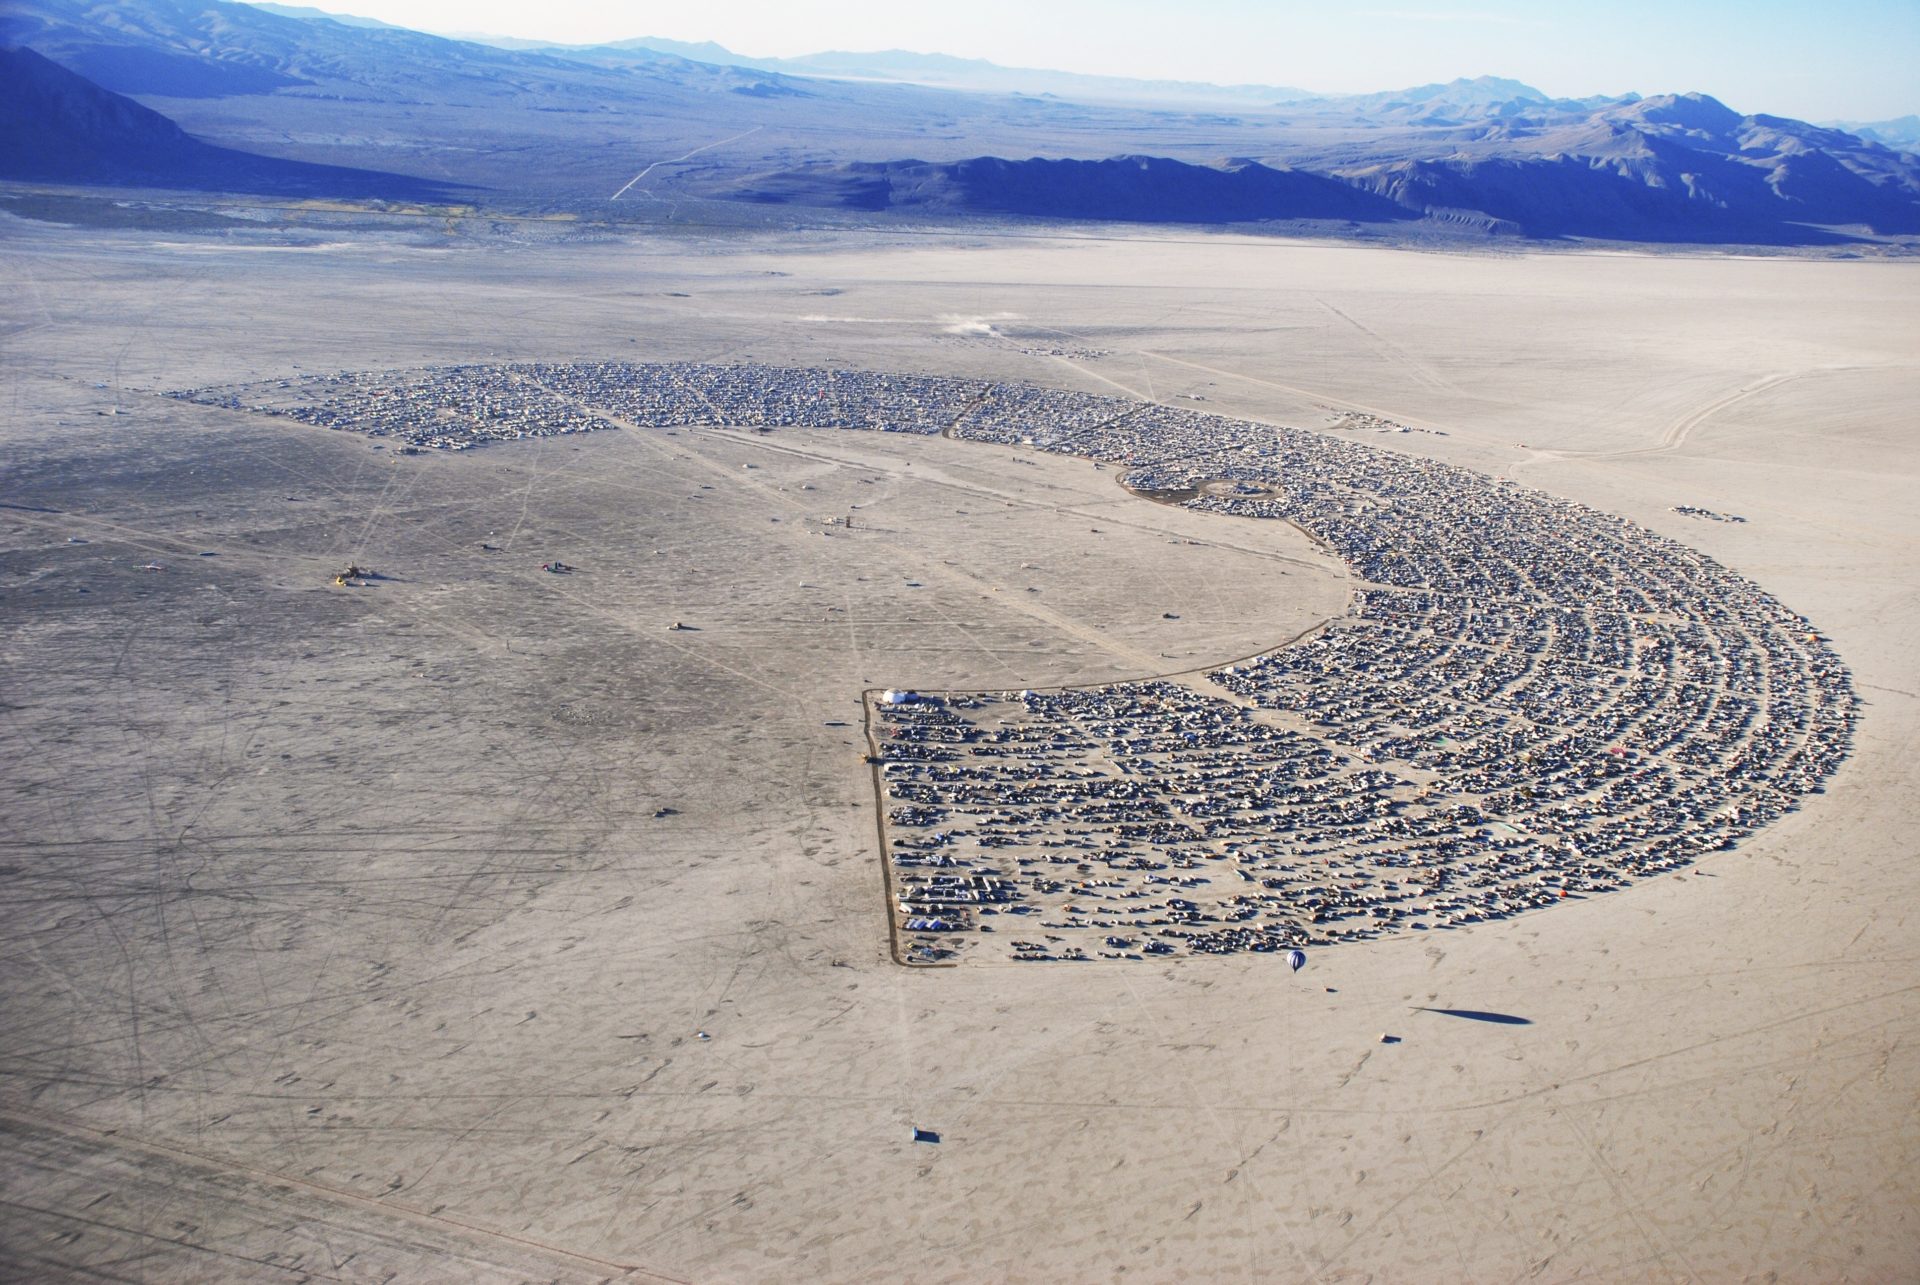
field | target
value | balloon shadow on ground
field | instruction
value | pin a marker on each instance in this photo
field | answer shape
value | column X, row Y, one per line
column 1478, row 1015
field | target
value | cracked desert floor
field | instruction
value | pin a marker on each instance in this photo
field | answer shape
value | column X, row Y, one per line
column 474, row 925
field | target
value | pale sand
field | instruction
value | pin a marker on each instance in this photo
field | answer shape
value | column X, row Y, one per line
column 423, row 995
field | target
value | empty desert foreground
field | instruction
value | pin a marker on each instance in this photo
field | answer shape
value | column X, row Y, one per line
column 472, row 926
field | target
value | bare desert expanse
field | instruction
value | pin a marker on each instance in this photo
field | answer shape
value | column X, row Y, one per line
column 472, row 925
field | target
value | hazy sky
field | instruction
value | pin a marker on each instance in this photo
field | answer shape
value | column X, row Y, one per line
column 1857, row 59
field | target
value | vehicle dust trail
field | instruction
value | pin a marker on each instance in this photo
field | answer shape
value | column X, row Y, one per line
column 1065, row 624
column 384, row 504
column 1309, row 393
column 1420, row 370
column 1105, row 379
column 1082, row 369
column 1677, row 432
column 1093, row 637
column 1117, row 649
column 534, row 478
column 1227, row 1139
column 1150, row 669
column 26, row 287
column 202, row 1167
column 689, row 156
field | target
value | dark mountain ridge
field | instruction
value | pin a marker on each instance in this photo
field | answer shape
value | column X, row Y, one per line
column 1141, row 189
column 56, row 126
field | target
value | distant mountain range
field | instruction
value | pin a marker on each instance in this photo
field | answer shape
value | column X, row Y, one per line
column 283, row 98
column 1902, row 132
column 940, row 71
column 1672, row 168
column 311, row 14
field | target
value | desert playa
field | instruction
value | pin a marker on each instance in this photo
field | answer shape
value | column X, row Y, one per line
column 475, row 921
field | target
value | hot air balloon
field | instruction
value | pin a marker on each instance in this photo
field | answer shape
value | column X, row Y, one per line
column 1297, row 959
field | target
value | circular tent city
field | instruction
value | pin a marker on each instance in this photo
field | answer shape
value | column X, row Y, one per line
column 1528, row 701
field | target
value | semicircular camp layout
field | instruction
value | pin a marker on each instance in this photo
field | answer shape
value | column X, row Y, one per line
column 1528, row 701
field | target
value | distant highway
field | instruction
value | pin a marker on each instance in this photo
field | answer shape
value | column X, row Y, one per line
column 676, row 160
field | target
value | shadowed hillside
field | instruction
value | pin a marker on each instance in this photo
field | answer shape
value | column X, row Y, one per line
column 1144, row 189
column 59, row 126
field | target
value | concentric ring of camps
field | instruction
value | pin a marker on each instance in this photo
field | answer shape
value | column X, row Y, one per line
column 1528, row 701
